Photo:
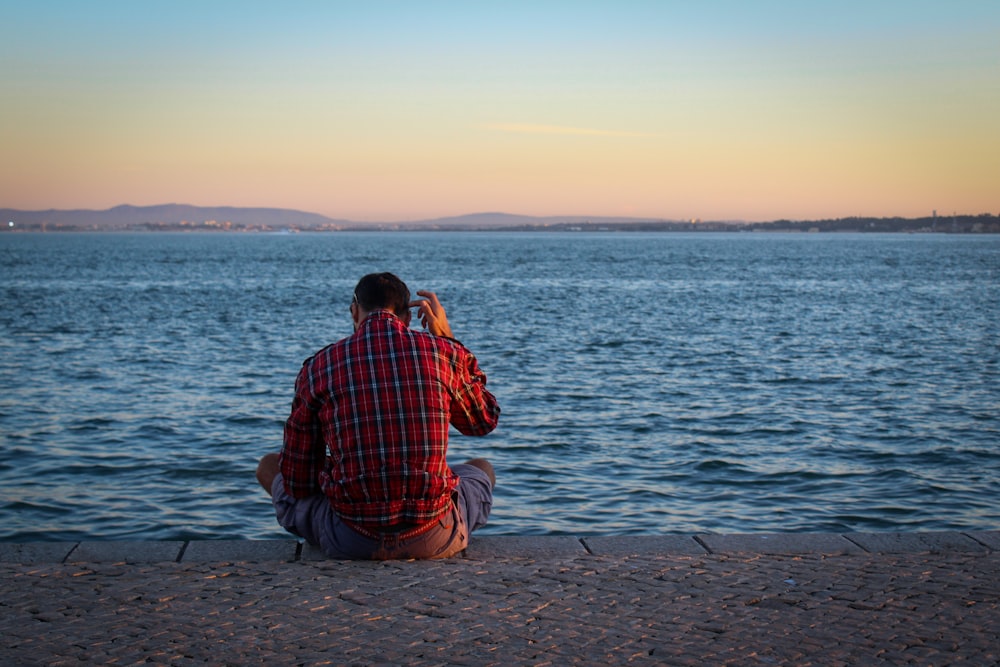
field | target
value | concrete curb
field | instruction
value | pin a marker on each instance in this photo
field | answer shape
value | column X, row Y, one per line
column 513, row 547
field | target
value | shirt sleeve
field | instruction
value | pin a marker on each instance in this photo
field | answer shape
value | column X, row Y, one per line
column 474, row 410
column 303, row 455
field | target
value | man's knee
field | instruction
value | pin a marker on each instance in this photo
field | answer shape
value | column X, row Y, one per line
column 486, row 467
column 267, row 470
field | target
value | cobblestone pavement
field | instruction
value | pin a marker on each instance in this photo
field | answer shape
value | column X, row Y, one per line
column 550, row 609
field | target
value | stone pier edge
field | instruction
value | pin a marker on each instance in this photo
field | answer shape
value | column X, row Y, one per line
column 525, row 547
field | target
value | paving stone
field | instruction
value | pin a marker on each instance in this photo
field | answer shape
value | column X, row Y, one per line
column 546, row 546
column 35, row 552
column 312, row 553
column 989, row 538
column 240, row 550
column 126, row 551
column 543, row 546
column 791, row 543
column 643, row 609
column 937, row 542
column 626, row 545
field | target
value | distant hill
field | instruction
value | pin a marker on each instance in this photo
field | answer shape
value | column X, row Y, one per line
column 134, row 217
column 483, row 220
column 183, row 216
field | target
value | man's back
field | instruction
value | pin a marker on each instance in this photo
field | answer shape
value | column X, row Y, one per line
column 362, row 472
column 381, row 402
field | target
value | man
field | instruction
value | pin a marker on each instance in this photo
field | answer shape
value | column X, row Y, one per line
column 362, row 472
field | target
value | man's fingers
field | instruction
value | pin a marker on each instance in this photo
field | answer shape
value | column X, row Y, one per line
column 432, row 314
column 431, row 297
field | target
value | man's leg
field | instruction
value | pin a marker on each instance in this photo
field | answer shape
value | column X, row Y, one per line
column 476, row 480
column 295, row 516
column 267, row 470
column 486, row 467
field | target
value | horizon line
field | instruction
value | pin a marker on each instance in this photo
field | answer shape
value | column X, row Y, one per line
column 574, row 216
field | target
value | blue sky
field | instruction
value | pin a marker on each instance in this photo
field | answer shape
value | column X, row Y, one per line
column 393, row 111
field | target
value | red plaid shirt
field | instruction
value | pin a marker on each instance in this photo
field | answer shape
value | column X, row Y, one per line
column 380, row 402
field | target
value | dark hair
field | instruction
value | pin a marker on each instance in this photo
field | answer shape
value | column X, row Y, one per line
column 383, row 291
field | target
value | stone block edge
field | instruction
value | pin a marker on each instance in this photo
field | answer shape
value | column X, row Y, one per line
column 503, row 546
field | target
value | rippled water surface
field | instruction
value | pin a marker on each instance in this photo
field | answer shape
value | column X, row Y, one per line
column 650, row 383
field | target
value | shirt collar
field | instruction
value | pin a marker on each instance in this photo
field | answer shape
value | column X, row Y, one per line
column 381, row 314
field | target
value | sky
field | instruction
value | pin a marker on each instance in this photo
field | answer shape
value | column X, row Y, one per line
column 396, row 111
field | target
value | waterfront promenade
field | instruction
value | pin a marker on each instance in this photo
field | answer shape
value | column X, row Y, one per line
column 774, row 599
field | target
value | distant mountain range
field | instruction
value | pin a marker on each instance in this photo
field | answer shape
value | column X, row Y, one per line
column 130, row 217
column 182, row 217
column 507, row 220
column 230, row 217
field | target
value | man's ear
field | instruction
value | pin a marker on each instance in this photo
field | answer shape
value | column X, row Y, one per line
column 406, row 317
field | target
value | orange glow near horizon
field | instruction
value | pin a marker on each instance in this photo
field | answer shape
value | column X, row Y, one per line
column 629, row 109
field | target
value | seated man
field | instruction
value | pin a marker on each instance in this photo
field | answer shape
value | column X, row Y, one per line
column 362, row 473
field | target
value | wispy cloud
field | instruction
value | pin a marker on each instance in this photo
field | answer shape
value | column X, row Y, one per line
column 527, row 128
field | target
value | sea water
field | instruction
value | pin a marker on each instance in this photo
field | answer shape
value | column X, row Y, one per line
column 649, row 382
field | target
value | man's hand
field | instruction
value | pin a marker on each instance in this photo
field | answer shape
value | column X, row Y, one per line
column 431, row 314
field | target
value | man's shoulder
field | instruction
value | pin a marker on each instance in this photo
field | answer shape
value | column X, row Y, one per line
column 327, row 352
column 453, row 350
column 444, row 343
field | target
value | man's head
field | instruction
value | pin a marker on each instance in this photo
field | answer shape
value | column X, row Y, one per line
column 380, row 291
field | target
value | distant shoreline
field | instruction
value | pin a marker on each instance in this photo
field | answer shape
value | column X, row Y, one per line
column 838, row 227
column 186, row 218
